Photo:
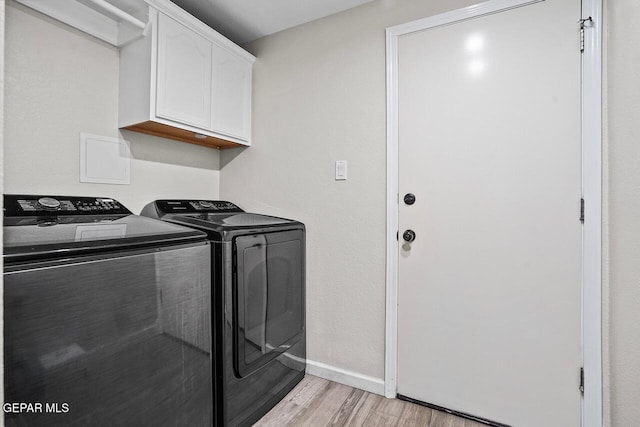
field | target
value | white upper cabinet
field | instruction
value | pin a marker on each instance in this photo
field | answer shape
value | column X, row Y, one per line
column 184, row 81
column 231, row 109
column 184, row 75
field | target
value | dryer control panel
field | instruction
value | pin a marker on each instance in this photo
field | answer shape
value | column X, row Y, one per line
column 196, row 206
column 30, row 205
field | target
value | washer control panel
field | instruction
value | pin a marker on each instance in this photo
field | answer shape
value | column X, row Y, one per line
column 28, row 205
column 196, row 206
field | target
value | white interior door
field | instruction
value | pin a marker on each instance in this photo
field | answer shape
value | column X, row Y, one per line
column 489, row 292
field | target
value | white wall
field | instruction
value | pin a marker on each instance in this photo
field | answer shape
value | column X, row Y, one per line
column 60, row 82
column 319, row 96
column 2, row 27
column 623, row 63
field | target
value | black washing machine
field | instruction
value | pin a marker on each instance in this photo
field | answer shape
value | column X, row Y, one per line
column 258, row 291
column 107, row 316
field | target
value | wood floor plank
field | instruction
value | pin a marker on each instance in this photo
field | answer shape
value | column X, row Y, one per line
column 415, row 415
column 340, row 418
column 281, row 415
column 387, row 413
column 363, row 409
column 470, row 423
column 293, row 403
column 308, row 390
column 442, row 419
column 322, row 409
column 376, row 416
column 317, row 402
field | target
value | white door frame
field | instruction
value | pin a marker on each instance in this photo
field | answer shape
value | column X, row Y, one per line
column 591, row 190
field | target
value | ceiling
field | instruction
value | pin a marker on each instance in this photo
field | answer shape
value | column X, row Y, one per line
column 243, row 21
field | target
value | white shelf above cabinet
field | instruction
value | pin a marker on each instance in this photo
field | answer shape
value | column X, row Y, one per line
column 179, row 78
column 116, row 22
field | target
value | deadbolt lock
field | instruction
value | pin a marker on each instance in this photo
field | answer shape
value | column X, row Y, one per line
column 409, row 236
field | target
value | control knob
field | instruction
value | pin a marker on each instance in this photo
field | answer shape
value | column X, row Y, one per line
column 49, row 203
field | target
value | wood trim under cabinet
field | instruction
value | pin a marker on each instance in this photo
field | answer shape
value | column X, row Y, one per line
column 165, row 131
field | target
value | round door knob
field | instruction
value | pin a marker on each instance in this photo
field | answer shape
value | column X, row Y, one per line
column 409, row 198
column 409, row 236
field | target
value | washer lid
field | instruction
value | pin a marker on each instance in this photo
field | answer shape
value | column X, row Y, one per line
column 239, row 220
column 36, row 229
column 221, row 220
column 229, row 222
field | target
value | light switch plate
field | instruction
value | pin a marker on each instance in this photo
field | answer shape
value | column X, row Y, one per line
column 341, row 170
column 104, row 160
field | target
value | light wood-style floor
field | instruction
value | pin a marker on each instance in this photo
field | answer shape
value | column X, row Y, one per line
column 317, row 402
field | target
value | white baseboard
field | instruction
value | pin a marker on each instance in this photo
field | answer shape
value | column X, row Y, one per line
column 342, row 376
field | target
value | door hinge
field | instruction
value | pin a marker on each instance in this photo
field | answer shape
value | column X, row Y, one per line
column 582, row 211
column 583, row 25
column 582, row 381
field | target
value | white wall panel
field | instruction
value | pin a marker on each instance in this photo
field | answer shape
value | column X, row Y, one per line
column 623, row 146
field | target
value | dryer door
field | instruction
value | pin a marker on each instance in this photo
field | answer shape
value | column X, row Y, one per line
column 268, row 296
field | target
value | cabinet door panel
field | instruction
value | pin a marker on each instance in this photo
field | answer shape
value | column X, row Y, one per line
column 184, row 74
column 231, row 106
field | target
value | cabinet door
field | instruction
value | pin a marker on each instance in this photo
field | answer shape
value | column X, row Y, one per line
column 184, row 74
column 231, row 104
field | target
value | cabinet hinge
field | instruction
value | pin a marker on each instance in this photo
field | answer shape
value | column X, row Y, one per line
column 582, row 211
column 583, row 24
column 582, row 381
